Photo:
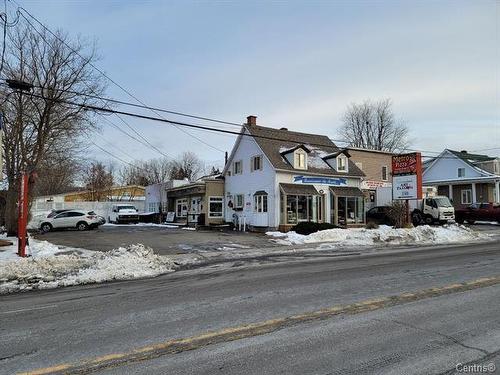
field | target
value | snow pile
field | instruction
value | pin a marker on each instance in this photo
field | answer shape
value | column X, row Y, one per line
column 424, row 234
column 46, row 270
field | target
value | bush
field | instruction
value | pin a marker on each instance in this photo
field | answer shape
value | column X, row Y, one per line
column 371, row 225
column 397, row 213
column 308, row 227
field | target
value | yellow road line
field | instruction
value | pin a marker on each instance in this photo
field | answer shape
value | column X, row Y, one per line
column 253, row 329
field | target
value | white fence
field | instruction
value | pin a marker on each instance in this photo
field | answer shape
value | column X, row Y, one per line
column 100, row 208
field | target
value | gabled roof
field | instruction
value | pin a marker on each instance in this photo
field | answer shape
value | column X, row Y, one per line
column 288, row 150
column 464, row 155
column 335, row 154
column 274, row 141
column 466, row 160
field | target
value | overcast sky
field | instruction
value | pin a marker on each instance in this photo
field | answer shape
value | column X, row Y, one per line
column 296, row 64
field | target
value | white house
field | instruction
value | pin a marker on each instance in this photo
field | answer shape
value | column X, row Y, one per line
column 276, row 178
column 464, row 177
column 156, row 199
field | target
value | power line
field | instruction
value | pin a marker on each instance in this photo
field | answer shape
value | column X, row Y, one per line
column 145, row 141
column 104, row 74
column 172, row 122
column 116, row 101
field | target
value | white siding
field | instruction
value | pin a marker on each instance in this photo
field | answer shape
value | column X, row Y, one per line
column 248, row 182
column 446, row 168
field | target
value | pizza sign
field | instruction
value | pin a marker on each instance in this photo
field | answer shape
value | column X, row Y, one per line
column 406, row 164
column 407, row 176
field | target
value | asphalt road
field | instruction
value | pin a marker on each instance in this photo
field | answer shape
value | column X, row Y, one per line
column 67, row 326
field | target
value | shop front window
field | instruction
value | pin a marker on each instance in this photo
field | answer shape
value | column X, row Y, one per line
column 291, row 209
column 301, row 208
column 350, row 210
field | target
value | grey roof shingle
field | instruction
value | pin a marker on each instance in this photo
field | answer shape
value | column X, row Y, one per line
column 282, row 140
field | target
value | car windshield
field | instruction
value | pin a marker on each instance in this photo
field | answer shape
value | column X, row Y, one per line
column 126, row 207
column 443, row 202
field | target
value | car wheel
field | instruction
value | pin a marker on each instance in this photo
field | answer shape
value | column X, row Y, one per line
column 429, row 219
column 82, row 226
column 46, row 227
column 459, row 221
column 416, row 218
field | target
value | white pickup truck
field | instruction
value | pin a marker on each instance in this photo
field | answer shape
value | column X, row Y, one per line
column 436, row 209
column 122, row 213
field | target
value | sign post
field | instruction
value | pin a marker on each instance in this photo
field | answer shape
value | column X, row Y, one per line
column 22, row 218
column 407, row 178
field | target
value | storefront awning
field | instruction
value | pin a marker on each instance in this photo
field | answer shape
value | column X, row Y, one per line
column 346, row 191
column 185, row 191
column 298, row 189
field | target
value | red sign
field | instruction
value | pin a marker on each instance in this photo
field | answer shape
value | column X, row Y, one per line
column 408, row 165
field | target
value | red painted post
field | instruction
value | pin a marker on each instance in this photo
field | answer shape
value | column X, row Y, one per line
column 22, row 220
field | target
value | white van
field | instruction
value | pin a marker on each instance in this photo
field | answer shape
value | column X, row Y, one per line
column 123, row 213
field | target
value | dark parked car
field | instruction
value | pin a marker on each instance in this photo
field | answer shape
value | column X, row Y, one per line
column 379, row 215
column 478, row 212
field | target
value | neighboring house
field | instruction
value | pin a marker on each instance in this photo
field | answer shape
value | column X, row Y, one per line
column 377, row 167
column 465, row 178
column 156, row 195
column 125, row 193
column 276, row 178
column 200, row 202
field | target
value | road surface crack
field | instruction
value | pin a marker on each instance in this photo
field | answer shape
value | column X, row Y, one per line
column 451, row 338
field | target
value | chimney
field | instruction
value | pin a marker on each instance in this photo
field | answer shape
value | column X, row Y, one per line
column 251, row 120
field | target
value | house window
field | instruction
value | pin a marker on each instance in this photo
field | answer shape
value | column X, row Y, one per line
column 215, row 205
column 239, row 200
column 384, row 173
column 341, row 163
column 461, row 172
column 300, row 159
column 260, row 203
column 237, row 167
column 466, row 196
column 256, row 163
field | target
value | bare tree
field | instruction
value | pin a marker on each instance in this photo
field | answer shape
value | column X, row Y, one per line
column 373, row 125
column 57, row 175
column 188, row 165
column 36, row 128
column 144, row 173
column 98, row 181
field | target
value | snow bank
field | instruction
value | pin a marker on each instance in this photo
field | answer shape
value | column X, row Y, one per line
column 45, row 269
column 384, row 235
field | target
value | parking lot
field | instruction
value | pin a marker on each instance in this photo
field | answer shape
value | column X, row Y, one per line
column 163, row 240
column 168, row 241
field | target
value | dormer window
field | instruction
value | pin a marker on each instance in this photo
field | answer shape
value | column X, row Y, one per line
column 300, row 159
column 342, row 163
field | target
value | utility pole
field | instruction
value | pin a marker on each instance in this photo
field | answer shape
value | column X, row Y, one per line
column 22, row 218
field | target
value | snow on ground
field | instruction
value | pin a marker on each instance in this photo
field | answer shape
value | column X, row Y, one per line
column 51, row 266
column 424, row 234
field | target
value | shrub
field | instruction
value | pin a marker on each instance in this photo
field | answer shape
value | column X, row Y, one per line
column 397, row 213
column 371, row 225
column 308, row 227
